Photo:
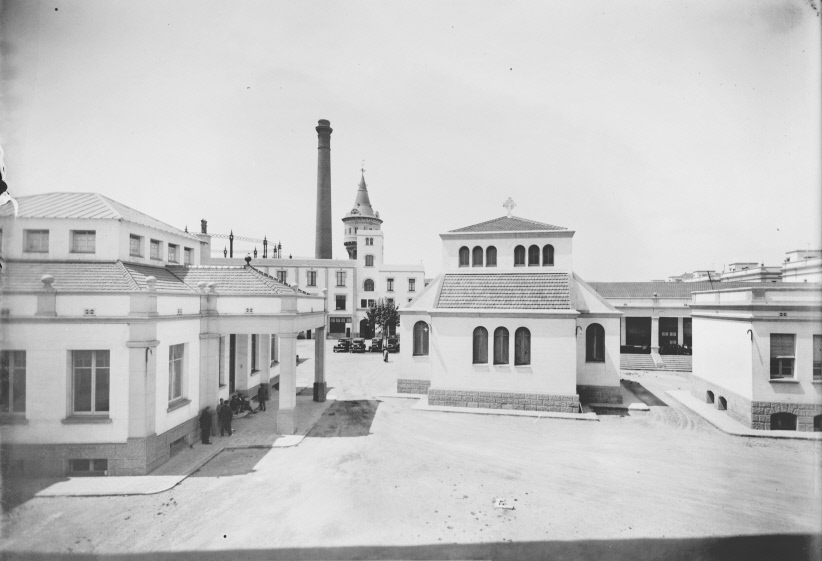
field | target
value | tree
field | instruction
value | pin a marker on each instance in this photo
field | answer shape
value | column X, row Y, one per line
column 383, row 314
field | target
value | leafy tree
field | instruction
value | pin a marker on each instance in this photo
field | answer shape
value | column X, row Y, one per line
column 383, row 314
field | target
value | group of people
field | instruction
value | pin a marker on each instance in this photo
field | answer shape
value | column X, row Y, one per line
column 225, row 412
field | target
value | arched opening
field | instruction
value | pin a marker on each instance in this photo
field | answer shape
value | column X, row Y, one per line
column 420, row 339
column 500, row 346
column 817, row 423
column 595, row 343
column 533, row 256
column 709, row 397
column 783, row 421
column 548, row 255
column 476, row 256
column 480, row 346
column 368, row 285
column 491, row 256
column 519, row 255
column 464, row 254
column 522, row 347
column 723, row 404
column 366, row 331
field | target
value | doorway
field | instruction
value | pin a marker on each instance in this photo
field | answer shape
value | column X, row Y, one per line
column 232, row 353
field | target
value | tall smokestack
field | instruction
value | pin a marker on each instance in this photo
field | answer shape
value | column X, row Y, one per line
column 323, row 244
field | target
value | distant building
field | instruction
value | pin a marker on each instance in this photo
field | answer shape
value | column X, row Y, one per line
column 751, row 272
column 802, row 266
column 760, row 354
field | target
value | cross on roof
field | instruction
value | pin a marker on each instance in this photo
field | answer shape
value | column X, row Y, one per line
column 509, row 205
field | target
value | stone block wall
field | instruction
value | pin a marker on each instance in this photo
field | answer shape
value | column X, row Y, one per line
column 413, row 386
column 738, row 407
column 504, row 400
column 600, row 394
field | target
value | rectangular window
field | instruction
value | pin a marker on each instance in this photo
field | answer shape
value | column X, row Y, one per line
column 90, row 382
column 188, row 256
column 390, row 283
column 273, row 349
column 88, row 467
column 782, row 355
column 155, row 249
column 221, row 362
column 817, row 358
column 135, row 245
column 340, row 301
column 363, row 303
column 371, row 303
column 253, row 353
column 340, row 278
column 311, row 278
column 412, row 285
column 37, row 241
column 172, row 253
column 175, row 372
column 389, row 300
column 282, row 276
column 13, row 382
column 83, row 241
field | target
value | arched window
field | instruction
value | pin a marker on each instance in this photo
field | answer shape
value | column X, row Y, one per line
column 476, row 256
column 420, row 339
column 533, row 255
column 548, row 255
column 480, row 345
column 519, row 255
column 595, row 343
column 464, row 254
column 522, row 347
column 500, row 345
column 368, row 285
column 491, row 256
column 369, row 260
column 709, row 397
column 783, row 421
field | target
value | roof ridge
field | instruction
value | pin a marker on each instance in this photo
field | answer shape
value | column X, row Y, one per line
column 127, row 274
column 106, row 201
column 267, row 277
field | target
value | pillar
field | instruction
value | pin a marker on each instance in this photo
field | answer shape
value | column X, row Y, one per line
column 142, row 379
column 655, row 334
column 323, row 244
column 288, row 383
column 209, row 369
column 680, row 336
column 242, row 361
column 623, row 331
column 319, row 365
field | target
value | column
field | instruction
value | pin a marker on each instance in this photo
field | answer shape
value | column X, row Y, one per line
column 679, row 332
column 209, row 369
column 655, row 334
column 623, row 330
column 319, row 365
column 288, row 383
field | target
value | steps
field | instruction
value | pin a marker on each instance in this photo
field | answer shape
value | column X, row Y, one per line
column 636, row 362
column 681, row 363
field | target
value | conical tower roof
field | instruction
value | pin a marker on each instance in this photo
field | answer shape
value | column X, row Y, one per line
column 362, row 204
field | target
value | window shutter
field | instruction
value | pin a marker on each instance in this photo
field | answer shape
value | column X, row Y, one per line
column 782, row 345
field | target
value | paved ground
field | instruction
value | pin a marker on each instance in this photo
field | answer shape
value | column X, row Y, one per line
column 376, row 479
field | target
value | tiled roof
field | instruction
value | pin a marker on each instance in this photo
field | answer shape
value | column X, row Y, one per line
column 664, row 289
column 519, row 291
column 109, row 276
column 233, row 279
column 83, row 205
column 166, row 280
column 509, row 224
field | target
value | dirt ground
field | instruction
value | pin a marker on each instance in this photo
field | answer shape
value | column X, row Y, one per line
column 377, row 480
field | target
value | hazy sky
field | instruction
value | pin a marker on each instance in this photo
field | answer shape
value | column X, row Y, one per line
column 671, row 136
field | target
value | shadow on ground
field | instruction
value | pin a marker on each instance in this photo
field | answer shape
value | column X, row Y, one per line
column 642, row 393
column 14, row 491
column 346, row 418
column 232, row 462
column 749, row 548
column 309, row 391
column 610, row 411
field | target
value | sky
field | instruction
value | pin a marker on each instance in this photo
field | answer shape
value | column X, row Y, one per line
column 670, row 136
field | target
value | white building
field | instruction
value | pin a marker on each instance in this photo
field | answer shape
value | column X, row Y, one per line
column 508, row 324
column 115, row 336
column 802, row 266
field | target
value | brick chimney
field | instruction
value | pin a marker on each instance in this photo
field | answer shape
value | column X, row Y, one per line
column 323, row 244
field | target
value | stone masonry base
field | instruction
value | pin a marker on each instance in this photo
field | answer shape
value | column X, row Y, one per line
column 568, row 403
column 413, row 386
column 753, row 414
column 137, row 456
column 600, row 394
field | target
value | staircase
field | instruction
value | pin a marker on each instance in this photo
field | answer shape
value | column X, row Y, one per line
column 681, row 363
column 636, row 362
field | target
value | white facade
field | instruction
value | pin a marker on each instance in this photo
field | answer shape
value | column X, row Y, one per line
column 802, row 266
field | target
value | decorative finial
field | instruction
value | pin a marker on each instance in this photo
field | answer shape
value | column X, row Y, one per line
column 362, row 166
column 509, row 205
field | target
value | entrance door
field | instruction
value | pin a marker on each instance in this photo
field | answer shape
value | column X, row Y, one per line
column 365, row 329
column 667, row 332
column 232, row 354
column 638, row 335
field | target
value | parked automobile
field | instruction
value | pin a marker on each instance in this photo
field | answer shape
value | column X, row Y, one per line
column 342, row 346
column 393, row 345
column 358, row 346
column 376, row 346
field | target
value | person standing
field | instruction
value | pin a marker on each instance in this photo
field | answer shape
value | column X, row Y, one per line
column 225, row 419
column 205, row 425
column 385, row 353
column 261, row 396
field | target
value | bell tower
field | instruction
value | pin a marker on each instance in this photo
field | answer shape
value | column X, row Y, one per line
column 360, row 218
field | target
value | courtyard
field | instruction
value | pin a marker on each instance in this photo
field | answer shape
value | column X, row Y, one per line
column 376, row 479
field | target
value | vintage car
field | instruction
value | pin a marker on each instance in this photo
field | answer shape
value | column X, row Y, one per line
column 393, row 345
column 358, row 346
column 343, row 346
column 376, row 346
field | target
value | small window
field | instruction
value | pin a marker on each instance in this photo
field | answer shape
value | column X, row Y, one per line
column 282, row 276
column 782, row 355
column 533, row 256
column 90, row 382
column 390, row 285
column 420, row 339
column 709, row 397
column 491, row 256
column 464, row 254
column 254, row 353
column 172, row 253
column 188, row 256
column 340, row 278
column 500, row 345
column 522, row 347
column 135, row 245
column 595, row 343
column 155, row 249
column 83, row 241
column 37, row 241
column 340, row 300
column 389, row 301
column 548, row 255
column 480, row 347
column 783, row 421
column 372, row 303
column 363, row 303
column 311, row 278
column 817, row 358
column 176, row 354
column 88, row 467
column 519, row 256
column 12, row 381
column 476, row 256
column 817, row 423
column 412, row 285
column 369, row 260
column 368, row 285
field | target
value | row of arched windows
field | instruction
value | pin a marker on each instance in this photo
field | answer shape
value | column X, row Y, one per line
column 474, row 257
column 533, row 255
